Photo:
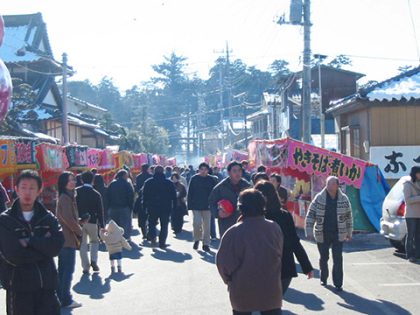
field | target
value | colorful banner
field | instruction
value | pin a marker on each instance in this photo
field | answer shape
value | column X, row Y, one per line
column 239, row 155
column 137, row 161
column 8, row 163
column 51, row 158
column 156, row 160
column 270, row 154
column 106, row 160
column 93, row 158
column 313, row 160
column 25, row 153
column 122, row 158
column 77, row 156
column 171, row 161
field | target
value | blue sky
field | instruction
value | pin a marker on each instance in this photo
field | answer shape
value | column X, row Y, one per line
column 122, row 39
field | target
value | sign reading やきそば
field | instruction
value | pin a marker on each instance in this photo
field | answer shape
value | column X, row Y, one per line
column 313, row 160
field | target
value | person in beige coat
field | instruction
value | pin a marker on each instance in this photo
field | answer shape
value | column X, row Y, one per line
column 114, row 241
column 68, row 217
column 412, row 214
column 250, row 257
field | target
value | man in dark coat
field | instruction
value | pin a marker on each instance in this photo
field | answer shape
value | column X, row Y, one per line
column 30, row 238
column 199, row 190
column 143, row 176
column 229, row 189
column 121, row 200
column 89, row 201
column 159, row 199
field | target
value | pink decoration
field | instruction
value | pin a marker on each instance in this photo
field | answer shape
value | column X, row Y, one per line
column 1, row 29
column 5, row 88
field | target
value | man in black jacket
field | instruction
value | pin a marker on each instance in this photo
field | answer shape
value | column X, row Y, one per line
column 89, row 201
column 159, row 199
column 30, row 236
column 142, row 177
column 228, row 189
column 120, row 195
column 199, row 190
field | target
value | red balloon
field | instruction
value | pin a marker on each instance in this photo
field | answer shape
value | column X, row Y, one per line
column 1, row 29
column 5, row 90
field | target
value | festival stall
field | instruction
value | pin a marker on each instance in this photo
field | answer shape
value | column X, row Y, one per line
column 304, row 169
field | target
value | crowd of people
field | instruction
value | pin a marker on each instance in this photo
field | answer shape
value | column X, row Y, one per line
column 258, row 235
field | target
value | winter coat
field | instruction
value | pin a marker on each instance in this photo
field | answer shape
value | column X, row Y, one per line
column 159, row 194
column 199, row 191
column 181, row 194
column 140, row 179
column 225, row 190
column 291, row 245
column 120, row 194
column 68, row 215
column 412, row 199
column 90, row 201
column 249, row 261
column 113, row 238
column 27, row 269
column 103, row 191
column 315, row 216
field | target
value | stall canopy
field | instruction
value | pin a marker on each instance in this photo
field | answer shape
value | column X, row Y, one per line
column 300, row 160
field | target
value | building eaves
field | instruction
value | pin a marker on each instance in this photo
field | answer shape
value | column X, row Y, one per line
column 403, row 86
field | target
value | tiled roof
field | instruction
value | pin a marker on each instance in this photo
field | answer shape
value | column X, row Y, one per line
column 403, row 86
column 25, row 39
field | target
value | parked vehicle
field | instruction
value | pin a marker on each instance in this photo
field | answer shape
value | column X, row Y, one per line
column 393, row 225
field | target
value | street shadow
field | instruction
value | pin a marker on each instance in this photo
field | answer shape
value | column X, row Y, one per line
column 135, row 232
column 209, row 257
column 134, row 253
column 184, row 236
column 365, row 306
column 93, row 286
column 309, row 300
column 170, row 255
column 119, row 276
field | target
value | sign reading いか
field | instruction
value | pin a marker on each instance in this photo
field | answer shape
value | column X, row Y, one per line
column 318, row 161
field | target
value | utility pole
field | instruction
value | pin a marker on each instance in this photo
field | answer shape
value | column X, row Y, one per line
column 65, row 125
column 306, row 78
column 321, row 112
column 229, row 83
column 221, row 106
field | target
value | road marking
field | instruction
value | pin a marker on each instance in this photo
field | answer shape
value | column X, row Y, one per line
column 378, row 263
column 397, row 284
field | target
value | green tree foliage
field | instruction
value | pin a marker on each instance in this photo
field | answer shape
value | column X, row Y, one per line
column 404, row 69
column 156, row 114
column 367, row 85
column 21, row 106
column 339, row 61
column 279, row 68
column 83, row 90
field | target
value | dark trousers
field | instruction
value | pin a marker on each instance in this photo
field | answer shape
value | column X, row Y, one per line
column 123, row 218
column 164, row 222
column 142, row 222
column 213, row 227
column 66, row 262
column 270, row 312
column 331, row 239
column 412, row 244
column 42, row 302
column 177, row 219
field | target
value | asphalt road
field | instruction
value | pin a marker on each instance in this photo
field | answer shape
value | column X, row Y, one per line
column 180, row 280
